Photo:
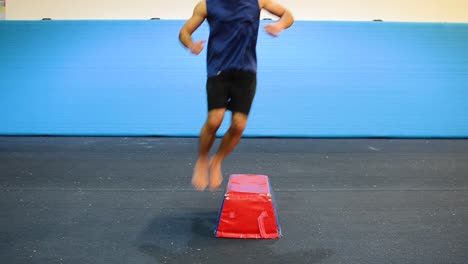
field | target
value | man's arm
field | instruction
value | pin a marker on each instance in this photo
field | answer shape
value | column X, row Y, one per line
column 286, row 17
column 185, row 35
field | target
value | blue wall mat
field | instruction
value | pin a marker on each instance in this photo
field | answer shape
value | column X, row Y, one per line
column 319, row 79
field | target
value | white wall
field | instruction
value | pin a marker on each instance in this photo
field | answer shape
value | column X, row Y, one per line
column 2, row 9
column 343, row 10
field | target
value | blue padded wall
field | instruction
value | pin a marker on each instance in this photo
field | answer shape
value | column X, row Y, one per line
column 319, row 79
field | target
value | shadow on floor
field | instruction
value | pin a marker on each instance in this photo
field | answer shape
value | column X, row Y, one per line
column 189, row 238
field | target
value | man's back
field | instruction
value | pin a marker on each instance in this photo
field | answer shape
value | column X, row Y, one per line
column 234, row 28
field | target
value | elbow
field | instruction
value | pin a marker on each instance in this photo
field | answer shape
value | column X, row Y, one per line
column 183, row 37
column 291, row 17
column 286, row 18
column 181, row 33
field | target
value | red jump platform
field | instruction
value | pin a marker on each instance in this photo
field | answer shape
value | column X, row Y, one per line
column 248, row 209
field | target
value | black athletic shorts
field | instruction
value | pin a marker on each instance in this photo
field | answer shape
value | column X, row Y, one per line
column 233, row 90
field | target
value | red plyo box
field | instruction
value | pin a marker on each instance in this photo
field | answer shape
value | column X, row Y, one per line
column 248, row 209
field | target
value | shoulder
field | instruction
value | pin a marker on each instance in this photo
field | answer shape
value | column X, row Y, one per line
column 200, row 8
column 263, row 3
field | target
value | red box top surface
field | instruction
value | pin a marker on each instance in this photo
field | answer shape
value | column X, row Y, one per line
column 248, row 183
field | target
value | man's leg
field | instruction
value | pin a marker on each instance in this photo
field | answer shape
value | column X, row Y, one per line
column 229, row 142
column 207, row 137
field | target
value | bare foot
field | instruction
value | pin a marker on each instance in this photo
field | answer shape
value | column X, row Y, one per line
column 200, row 175
column 216, row 176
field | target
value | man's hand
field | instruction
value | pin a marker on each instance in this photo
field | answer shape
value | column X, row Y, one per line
column 185, row 34
column 273, row 29
column 197, row 47
column 285, row 21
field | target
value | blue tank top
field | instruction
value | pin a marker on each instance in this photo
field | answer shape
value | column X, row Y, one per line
column 233, row 35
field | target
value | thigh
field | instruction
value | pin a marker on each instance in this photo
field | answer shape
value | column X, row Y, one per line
column 242, row 92
column 217, row 93
column 215, row 117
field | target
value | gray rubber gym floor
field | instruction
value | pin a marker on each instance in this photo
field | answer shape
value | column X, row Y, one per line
column 129, row 200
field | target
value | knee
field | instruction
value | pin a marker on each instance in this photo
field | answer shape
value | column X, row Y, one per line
column 238, row 127
column 212, row 125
